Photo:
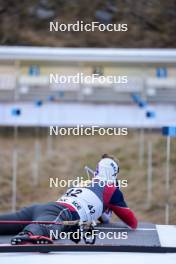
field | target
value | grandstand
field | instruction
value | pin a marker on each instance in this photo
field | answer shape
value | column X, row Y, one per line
column 25, row 71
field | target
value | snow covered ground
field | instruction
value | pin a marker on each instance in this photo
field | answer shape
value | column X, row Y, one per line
column 87, row 258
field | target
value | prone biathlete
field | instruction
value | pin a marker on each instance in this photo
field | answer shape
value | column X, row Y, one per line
column 93, row 202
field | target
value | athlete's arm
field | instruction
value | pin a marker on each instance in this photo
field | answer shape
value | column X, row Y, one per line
column 118, row 205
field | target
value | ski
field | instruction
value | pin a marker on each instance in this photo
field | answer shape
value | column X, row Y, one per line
column 7, row 248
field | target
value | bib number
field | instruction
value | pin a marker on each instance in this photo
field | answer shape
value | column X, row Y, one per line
column 73, row 192
column 91, row 209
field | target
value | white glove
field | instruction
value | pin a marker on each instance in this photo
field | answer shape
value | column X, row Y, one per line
column 106, row 216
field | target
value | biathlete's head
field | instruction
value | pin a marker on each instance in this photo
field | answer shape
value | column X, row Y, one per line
column 107, row 168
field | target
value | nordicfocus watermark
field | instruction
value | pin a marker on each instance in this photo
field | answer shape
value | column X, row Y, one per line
column 95, row 233
column 81, row 26
column 81, row 78
column 81, row 130
column 82, row 182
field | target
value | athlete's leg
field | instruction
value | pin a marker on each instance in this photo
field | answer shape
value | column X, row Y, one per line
column 50, row 212
column 25, row 214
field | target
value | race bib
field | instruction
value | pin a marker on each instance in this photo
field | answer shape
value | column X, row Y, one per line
column 85, row 202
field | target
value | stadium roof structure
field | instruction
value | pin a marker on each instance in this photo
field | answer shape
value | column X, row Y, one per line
column 88, row 54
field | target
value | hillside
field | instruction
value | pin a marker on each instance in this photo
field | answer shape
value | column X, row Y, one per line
column 150, row 23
